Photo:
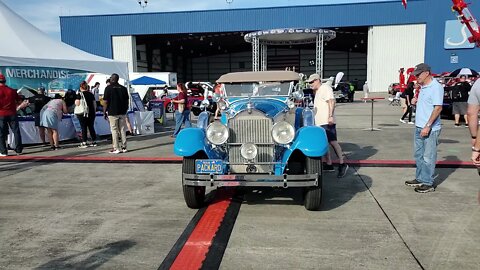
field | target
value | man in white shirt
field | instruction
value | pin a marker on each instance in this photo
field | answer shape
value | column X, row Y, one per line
column 324, row 105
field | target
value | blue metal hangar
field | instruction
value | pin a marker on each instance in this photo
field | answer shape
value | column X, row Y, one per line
column 373, row 40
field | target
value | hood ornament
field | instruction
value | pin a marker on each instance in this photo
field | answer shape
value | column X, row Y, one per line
column 250, row 104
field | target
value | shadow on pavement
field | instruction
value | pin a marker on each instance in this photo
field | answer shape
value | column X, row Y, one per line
column 338, row 192
column 443, row 174
column 90, row 259
column 357, row 152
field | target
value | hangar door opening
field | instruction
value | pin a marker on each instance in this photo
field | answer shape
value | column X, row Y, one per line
column 391, row 48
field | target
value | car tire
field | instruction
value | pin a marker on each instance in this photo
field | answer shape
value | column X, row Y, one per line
column 313, row 195
column 194, row 196
column 170, row 108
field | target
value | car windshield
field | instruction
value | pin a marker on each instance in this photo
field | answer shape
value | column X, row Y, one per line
column 258, row 89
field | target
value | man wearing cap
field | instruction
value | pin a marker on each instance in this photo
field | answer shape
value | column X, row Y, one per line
column 9, row 100
column 427, row 128
column 324, row 105
column 39, row 100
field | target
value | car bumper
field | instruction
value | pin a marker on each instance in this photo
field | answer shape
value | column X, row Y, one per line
column 251, row 180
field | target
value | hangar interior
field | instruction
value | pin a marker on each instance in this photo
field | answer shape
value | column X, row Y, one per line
column 206, row 56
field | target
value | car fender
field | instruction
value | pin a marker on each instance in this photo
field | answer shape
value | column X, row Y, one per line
column 311, row 141
column 191, row 141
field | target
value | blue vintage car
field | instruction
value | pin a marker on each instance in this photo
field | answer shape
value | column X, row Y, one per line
column 262, row 140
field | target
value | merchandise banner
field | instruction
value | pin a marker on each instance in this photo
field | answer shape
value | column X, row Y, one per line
column 56, row 79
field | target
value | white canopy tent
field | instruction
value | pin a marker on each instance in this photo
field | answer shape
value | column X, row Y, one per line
column 25, row 45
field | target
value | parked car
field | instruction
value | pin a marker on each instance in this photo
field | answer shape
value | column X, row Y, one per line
column 262, row 140
column 197, row 106
column 167, row 103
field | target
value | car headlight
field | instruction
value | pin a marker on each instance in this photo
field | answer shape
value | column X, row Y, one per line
column 249, row 151
column 290, row 104
column 283, row 133
column 217, row 133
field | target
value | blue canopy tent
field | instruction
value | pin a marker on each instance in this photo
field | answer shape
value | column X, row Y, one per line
column 145, row 80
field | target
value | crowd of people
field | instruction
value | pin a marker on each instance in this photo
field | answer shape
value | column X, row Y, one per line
column 48, row 112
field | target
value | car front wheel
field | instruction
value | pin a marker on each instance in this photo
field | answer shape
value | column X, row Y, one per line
column 194, row 196
column 313, row 195
column 170, row 107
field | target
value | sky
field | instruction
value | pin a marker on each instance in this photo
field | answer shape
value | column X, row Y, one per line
column 44, row 14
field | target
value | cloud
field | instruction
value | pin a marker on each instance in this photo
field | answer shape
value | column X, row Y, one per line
column 45, row 14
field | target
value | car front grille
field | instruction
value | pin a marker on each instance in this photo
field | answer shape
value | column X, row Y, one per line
column 251, row 128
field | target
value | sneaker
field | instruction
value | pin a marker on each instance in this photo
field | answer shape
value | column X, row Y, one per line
column 93, row 144
column 466, row 125
column 18, row 153
column 328, row 168
column 114, row 151
column 413, row 183
column 124, row 150
column 83, row 145
column 403, row 121
column 342, row 170
column 411, row 123
column 424, row 189
column 457, row 125
column 3, row 155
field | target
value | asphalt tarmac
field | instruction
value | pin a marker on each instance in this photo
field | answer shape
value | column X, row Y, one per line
column 104, row 211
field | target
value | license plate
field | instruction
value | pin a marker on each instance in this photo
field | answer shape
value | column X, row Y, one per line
column 209, row 166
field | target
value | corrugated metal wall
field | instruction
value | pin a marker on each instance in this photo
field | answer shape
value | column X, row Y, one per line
column 433, row 13
column 125, row 49
column 389, row 49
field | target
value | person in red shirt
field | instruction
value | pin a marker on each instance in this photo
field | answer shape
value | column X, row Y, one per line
column 182, row 109
column 9, row 100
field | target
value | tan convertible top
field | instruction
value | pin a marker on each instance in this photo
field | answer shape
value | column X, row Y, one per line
column 259, row 76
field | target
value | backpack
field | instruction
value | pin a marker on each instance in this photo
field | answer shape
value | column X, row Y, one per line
column 82, row 108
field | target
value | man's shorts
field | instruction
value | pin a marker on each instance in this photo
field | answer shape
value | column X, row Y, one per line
column 459, row 108
column 331, row 131
column 36, row 116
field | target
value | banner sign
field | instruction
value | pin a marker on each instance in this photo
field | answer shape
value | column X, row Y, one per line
column 456, row 36
column 137, row 101
column 50, row 78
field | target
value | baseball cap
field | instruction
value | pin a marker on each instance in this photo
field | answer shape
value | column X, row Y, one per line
column 2, row 78
column 313, row 77
column 421, row 68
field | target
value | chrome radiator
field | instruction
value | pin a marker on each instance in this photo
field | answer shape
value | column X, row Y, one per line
column 251, row 128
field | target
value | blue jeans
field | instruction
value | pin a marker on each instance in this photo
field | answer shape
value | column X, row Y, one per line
column 181, row 118
column 425, row 154
column 12, row 122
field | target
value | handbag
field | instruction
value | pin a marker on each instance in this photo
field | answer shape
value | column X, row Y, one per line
column 82, row 108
